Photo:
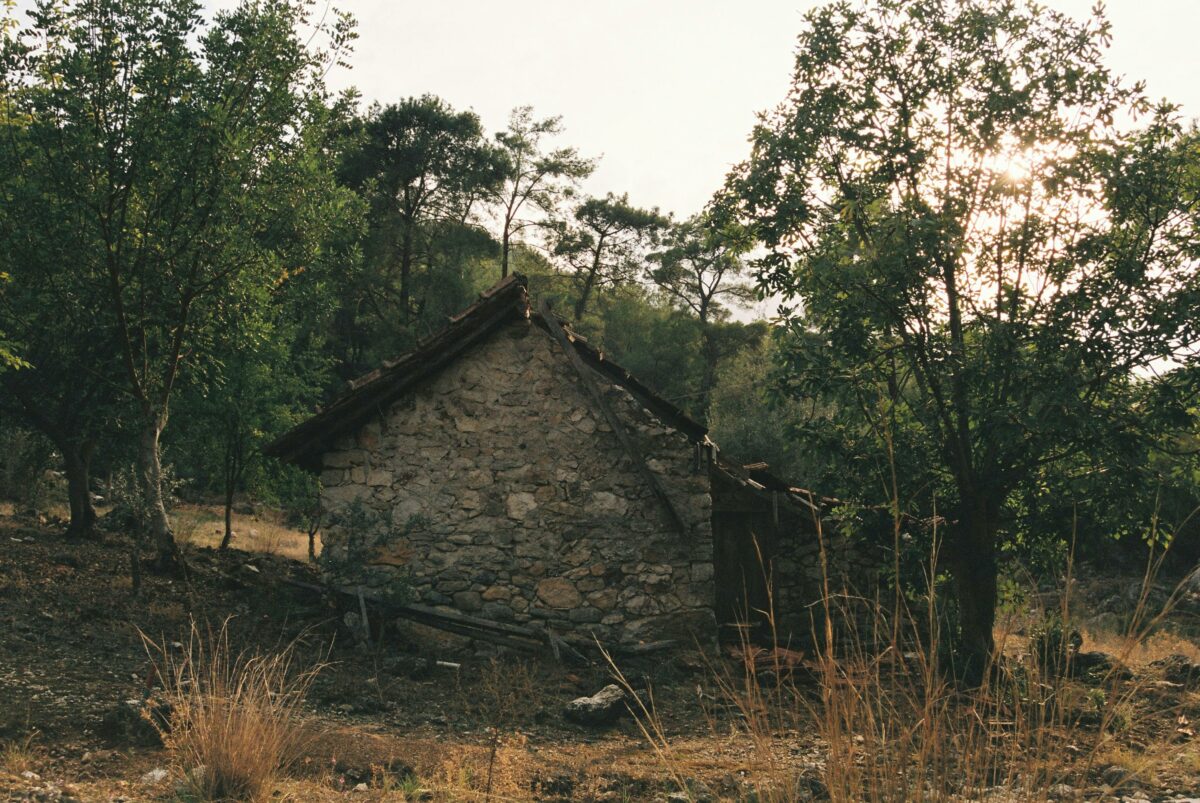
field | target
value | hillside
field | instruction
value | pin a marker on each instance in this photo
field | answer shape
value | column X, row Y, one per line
column 390, row 723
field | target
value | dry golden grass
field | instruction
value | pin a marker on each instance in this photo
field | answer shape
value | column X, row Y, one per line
column 204, row 526
column 235, row 723
column 893, row 725
column 1141, row 651
column 198, row 525
column 20, row 755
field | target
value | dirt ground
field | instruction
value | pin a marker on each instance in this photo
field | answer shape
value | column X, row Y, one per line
column 71, row 649
column 390, row 723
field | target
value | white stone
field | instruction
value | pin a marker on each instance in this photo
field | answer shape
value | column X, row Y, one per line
column 520, row 504
column 157, row 775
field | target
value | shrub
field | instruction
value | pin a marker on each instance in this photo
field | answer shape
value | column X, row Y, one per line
column 235, row 717
column 1054, row 644
column 25, row 457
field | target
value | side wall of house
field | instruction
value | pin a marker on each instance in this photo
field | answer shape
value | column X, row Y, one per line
column 852, row 569
column 497, row 488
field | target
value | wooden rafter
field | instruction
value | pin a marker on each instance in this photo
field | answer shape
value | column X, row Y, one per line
column 614, row 423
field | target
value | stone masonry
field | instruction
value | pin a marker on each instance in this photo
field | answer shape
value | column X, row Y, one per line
column 498, row 489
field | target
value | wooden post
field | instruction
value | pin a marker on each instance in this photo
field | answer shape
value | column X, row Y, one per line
column 362, row 611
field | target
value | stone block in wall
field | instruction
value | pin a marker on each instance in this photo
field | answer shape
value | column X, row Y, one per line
column 519, row 505
column 469, row 601
column 558, row 592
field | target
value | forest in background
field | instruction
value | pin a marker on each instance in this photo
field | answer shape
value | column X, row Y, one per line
column 988, row 273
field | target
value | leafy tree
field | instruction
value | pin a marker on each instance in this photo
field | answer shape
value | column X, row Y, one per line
column 66, row 391
column 605, row 245
column 699, row 270
column 424, row 168
column 8, row 358
column 751, row 420
column 994, row 275
column 535, row 181
column 270, row 355
column 163, row 138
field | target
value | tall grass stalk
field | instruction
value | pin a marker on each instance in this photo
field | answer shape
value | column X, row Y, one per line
column 894, row 725
column 235, row 716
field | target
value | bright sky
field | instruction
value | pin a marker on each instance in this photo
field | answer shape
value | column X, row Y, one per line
column 664, row 90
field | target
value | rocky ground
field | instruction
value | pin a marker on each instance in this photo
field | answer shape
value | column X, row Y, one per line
column 392, row 723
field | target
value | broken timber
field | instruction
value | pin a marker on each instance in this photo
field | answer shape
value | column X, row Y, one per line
column 614, row 423
column 518, row 637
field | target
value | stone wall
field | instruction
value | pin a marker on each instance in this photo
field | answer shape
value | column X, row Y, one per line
column 497, row 489
column 853, row 566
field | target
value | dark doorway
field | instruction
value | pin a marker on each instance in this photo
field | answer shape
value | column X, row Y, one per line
column 743, row 551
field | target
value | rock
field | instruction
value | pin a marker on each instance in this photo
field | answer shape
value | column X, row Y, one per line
column 191, row 783
column 1191, row 584
column 156, row 775
column 411, row 666
column 1179, row 669
column 1062, row 791
column 585, row 615
column 498, row 611
column 602, row 708
column 136, row 722
column 519, row 504
column 467, row 601
column 497, row 593
column 696, row 792
column 1117, row 777
column 558, row 592
column 605, row 503
column 1099, row 665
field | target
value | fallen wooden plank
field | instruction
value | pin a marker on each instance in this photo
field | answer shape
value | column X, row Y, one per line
column 502, row 633
column 642, row 649
column 456, row 615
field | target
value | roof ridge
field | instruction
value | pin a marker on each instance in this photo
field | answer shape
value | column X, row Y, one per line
column 369, row 393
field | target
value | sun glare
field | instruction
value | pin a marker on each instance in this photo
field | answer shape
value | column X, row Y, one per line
column 1016, row 169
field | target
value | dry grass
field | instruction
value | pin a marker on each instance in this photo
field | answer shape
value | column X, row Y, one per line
column 22, row 755
column 204, row 526
column 235, row 722
column 893, row 725
column 1141, row 651
column 198, row 525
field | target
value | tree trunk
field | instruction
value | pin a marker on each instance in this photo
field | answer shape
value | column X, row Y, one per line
column 157, row 522
column 708, row 379
column 974, row 569
column 405, row 271
column 77, row 465
column 504, row 247
column 225, row 539
column 581, row 302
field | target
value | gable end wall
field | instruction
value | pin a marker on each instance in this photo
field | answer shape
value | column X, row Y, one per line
column 500, row 490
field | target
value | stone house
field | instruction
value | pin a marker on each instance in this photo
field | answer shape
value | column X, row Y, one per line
column 507, row 468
